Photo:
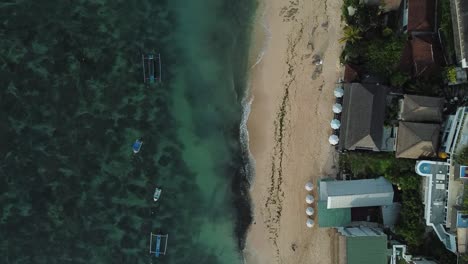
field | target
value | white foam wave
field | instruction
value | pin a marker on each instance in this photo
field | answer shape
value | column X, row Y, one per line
column 266, row 39
column 249, row 167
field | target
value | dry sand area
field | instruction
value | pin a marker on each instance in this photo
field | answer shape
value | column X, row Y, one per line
column 289, row 126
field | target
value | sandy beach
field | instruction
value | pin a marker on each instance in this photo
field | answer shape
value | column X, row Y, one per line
column 289, row 126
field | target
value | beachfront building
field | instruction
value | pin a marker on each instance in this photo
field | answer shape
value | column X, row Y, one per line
column 455, row 138
column 400, row 255
column 368, row 245
column 342, row 202
column 440, row 198
column 421, row 56
column 417, row 140
column 356, row 193
column 362, row 245
column 419, row 16
column 459, row 10
column 425, row 109
column 384, row 5
column 419, row 127
column 362, row 119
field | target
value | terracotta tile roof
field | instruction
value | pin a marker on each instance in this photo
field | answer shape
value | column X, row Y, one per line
column 421, row 15
column 351, row 73
column 388, row 5
column 423, row 54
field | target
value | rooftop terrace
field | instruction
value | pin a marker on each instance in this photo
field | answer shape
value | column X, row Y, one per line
column 436, row 195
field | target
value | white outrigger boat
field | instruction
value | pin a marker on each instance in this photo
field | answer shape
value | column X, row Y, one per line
column 157, row 194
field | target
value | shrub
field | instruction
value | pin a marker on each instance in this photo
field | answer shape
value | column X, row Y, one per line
column 387, row 32
column 462, row 156
column 451, row 74
column 398, row 79
column 383, row 55
column 351, row 34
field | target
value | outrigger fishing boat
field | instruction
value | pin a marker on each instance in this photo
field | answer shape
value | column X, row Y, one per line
column 157, row 194
column 158, row 244
column 137, row 146
column 151, row 68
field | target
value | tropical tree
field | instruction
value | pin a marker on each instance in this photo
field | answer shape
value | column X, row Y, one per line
column 351, row 34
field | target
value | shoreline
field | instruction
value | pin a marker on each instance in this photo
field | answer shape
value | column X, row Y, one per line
column 289, row 126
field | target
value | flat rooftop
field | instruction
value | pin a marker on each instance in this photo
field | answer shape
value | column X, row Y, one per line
column 436, row 198
column 439, row 193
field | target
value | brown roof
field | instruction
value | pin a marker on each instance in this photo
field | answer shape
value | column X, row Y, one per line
column 421, row 56
column 350, row 73
column 421, row 15
column 388, row 5
column 363, row 116
column 416, row 140
column 422, row 109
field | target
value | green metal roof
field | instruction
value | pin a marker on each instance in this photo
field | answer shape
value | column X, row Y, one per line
column 366, row 250
column 332, row 217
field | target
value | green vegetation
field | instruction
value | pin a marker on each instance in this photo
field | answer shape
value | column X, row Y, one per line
column 351, row 34
column 463, row 259
column 464, row 205
column 401, row 261
column 462, row 156
column 430, row 87
column 450, row 74
column 391, row 113
column 399, row 79
column 401, row 173
column 365, row 17
column 387, row 32
column 446, row 27
column 383, row 55
column 370, row 165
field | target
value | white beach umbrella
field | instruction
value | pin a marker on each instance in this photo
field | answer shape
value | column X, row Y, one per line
column 339, row 92
column 309, row 186
column 310, row 223
column 309, row 199
column 309, row 211
column 337, row 108
column 333, row 139
column 335, row 124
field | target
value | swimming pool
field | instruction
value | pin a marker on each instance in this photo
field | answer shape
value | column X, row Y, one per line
column 463, row 171
column 424, row 167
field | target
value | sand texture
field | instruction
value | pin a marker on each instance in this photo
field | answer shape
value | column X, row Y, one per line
column 289, row 126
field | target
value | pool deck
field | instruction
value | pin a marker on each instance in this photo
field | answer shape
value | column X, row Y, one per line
column 436, row 198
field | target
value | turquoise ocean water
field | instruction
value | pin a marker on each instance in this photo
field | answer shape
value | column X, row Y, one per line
column 72, row 102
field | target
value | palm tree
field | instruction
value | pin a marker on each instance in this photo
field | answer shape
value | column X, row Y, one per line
column 351, row 34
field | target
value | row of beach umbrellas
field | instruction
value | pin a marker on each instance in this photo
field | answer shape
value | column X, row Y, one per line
column 309, row 200
column 337, row 108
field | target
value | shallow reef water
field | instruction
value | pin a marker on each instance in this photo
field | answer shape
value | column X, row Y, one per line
column 73, row 101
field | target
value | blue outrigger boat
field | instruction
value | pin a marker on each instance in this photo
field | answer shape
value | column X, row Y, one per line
column 137, row 146
column 158, row 244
